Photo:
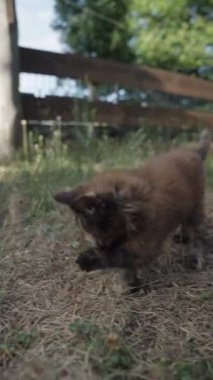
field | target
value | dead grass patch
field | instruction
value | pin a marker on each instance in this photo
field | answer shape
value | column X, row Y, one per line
column 57, row 323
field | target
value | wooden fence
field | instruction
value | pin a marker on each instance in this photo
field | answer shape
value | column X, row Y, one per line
column 102, row 71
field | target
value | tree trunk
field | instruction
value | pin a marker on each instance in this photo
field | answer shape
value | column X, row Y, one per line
column 10, row 131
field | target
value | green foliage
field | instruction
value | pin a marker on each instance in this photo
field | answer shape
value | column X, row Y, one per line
column 83, row 327
column 161, row 33
column 174, row 35
column 208, row 296
column 95, row 27
column 199, row 370
column 14, row 341
column 106, row 350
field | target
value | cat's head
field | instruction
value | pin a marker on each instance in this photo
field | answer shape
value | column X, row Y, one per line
column 103, row 208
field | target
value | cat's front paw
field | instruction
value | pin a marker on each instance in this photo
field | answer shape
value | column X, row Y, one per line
column 89, row 260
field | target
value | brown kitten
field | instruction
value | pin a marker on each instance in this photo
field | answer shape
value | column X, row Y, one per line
column 128, row 214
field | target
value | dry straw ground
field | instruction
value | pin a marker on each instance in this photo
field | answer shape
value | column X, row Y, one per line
column 59, row 323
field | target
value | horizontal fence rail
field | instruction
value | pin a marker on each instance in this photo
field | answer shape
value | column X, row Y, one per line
column 110, row 72
column 104, row 112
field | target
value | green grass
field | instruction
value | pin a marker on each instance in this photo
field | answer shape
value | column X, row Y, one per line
column 201, row 369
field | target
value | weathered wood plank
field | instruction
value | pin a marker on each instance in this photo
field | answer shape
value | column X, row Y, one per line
column 110, row 72
column 120, row 114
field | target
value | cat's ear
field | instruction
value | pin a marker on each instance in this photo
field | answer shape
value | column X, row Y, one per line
column 64, row 197
column 68, row 197
column 81, row 199
column 77, row 199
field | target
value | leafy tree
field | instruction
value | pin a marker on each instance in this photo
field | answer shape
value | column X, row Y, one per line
column 95, row 27
column 174, row 35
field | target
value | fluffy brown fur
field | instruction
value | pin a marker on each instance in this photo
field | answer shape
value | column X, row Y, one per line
column 128, row 214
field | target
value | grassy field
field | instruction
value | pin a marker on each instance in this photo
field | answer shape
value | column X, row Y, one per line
column 59, row 323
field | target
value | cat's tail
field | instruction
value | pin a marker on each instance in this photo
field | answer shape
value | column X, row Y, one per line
column 205, row 143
